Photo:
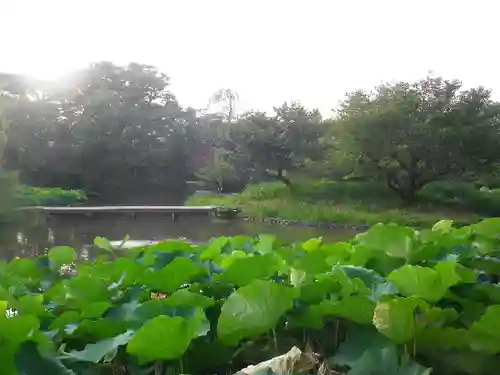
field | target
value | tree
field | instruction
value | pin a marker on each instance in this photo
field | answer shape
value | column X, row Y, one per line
column 277, row 144
column 227, row 98
column 108, row 126
column 413, row 134
column 8, row 180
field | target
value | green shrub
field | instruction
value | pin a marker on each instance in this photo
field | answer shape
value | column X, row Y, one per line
column 465, row 196
column 266, row 190
column 321, row 190
column 366, row 191
column 37, row 196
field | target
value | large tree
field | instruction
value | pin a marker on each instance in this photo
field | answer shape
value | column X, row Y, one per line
column 277, row 144
column 416, row 133
column 107, row 126
column 227, row 98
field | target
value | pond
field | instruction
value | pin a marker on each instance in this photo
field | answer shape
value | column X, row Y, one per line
column 34, row 236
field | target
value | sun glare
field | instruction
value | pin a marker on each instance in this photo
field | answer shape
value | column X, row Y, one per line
column 48, row 71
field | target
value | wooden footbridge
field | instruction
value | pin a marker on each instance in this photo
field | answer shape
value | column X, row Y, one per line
column 174, row 211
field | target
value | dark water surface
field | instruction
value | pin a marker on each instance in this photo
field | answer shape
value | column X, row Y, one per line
column 36, row 234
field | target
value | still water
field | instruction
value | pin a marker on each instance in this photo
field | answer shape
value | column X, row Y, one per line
column 36, row 234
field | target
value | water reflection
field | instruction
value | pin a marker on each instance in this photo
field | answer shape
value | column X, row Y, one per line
column 35, row 236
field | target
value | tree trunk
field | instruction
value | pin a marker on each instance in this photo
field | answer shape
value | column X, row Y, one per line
column 403, row 186
column 284, row 179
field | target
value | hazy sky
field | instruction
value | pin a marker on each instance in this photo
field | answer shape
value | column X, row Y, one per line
column 269, row 51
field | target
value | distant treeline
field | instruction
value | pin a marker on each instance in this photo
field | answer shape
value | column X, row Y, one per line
column 111, row 127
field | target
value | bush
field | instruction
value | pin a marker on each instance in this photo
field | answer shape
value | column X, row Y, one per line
column 321, row 190
column 366, row 191
column 266, row 190
column 38, row 196
column 465, row 196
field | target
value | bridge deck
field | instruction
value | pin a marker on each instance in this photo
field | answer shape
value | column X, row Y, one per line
column 124, row 209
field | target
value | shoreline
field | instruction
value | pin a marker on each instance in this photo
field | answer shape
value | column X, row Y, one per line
column 310, row 224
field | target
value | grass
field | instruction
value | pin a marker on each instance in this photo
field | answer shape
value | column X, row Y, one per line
column 37, row 196
column 351, row 203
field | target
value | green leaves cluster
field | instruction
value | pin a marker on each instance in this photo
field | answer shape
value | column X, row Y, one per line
column 392, row 299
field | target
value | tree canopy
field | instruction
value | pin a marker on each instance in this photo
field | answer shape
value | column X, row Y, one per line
column 413, row 134
column 110, row 126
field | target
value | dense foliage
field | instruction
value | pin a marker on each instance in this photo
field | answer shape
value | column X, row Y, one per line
column 357, row 203
column 8, row 180
column 36, row 196
column 110, row 126
column 391, row 301
column 417, row 133
column 104, row 127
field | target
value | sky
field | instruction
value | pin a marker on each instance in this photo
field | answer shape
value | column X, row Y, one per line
column 269, row 51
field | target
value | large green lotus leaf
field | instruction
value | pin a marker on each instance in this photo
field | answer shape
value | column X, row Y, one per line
column 215, row 248
column 253, row 310
column 225, row 260
column 312, row 244
column 314, row 291
column 100, row 329
column 361, row 254
column 312, row 262
column 448, row 273
column 359, row 339
column 266, row 243
column 67, row 317
column 369, row 277
column 348, row 285
column 24, row 268
column 397, row 241
column 386, row 361
column 357, row 308
column 30, row 361
column 485, row 336
column 466, row 275
column 62, row 255
column 311, row 317
column 487, row 264
column 95, row 309
column 171, row 246
column 96, row 352
column 435, row 316
column 19, row 328
column 184, row 297
column 384, row 264
column 298, row 277
column 137, row 314
column 427, row 283
column 443, row 226
column 82, row 290
column 463, row 361
column 206, row 356
column 443, row 338
column 122, row 270
column 290, row 253
column 337, row 253
column 7, row 359
column 31, row 304
column 161, row 338
column 395, row 319
column 103, row 243
column 171, row 277
column 488, row 228
column 243, row 271
column 241, row 243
